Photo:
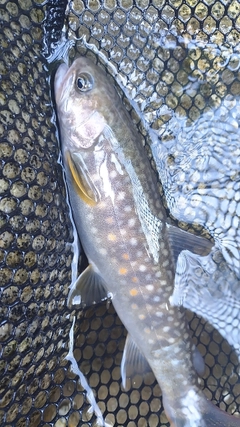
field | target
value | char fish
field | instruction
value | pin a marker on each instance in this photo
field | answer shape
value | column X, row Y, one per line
column 123, row 229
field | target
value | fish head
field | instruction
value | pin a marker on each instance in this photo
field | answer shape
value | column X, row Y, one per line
column 83, row 96
column 84, row 101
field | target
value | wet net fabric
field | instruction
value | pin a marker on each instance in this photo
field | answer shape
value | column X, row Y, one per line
column 154, row 47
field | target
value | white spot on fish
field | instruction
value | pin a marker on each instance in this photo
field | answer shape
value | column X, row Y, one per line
column 94, row 230
column 102, row 251
column 121, row 195
column 90, row 216
column 159, row 314
column 150, row 287
column 131, row 222
column 190, row 403
column 141, row 316
column 123, row 232
column 142, row 267
column 98, row 240
column 158, row 274
column 133, row 241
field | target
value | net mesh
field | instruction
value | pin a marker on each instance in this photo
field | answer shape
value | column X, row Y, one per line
column 155, row 47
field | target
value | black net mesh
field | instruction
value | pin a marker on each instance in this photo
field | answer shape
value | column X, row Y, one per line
column 155, row 47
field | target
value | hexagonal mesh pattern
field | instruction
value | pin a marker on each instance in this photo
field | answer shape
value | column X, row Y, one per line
column 155, row 47
column 35, row 228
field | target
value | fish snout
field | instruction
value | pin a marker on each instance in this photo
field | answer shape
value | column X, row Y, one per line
column 59, row 80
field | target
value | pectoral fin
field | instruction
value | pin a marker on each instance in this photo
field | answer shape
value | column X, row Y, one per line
column 83, row 183
column 132, row 361
column 88, row 289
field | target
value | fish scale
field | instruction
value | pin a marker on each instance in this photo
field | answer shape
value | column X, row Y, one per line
column 107, row 171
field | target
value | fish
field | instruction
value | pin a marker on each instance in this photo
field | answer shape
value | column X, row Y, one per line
column 123, row 228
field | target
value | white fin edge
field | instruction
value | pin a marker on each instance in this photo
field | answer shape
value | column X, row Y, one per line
column 88, row 289
column 132, row 361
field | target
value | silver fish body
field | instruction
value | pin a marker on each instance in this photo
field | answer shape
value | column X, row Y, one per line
column 122, row 226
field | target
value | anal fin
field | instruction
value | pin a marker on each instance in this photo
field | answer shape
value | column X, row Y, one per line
column 88, row 289
column 132, row 361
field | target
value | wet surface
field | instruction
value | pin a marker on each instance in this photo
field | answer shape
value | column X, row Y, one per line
column 179, row 64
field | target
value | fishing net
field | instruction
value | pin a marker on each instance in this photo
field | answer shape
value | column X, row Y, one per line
column 160, row 50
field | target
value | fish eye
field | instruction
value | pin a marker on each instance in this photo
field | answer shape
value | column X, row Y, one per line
column 84, row 82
